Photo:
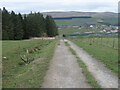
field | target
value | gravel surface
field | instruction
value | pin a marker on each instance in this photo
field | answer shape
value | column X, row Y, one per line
column 104, row 76
column 64, row 71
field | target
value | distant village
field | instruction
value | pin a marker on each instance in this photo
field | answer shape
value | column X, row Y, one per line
column 104, row 28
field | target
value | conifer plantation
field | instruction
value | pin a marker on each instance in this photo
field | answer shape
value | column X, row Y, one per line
column 18, row 27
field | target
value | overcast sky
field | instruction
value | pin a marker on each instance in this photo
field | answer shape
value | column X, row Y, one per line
column 25, row 6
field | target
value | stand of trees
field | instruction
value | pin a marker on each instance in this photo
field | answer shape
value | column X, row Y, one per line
column 18, row 27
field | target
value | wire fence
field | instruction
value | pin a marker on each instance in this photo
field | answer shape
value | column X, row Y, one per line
column 104, row 39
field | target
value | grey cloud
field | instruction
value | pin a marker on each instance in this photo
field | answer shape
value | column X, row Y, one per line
column 26, row 7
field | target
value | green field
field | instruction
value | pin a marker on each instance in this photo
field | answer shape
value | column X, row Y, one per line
column 78, row 21
column 75, row 31
column 102, row 49
column 18, row 74
column 83, row 21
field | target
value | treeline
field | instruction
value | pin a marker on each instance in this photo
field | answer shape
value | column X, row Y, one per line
column 18, row 27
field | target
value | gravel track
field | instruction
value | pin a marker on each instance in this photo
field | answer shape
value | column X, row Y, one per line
column 64, row 71
column 104, row 76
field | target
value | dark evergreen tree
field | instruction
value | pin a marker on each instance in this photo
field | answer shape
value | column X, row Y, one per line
column 25, row 36
column 40, row 24
column 51, row 27
column 11, row 26
column 36, row 25
column 5, row 18
column 17, row 27
column 30, row 26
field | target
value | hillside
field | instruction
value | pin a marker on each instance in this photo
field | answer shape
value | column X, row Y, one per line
column 74, row 13
column 108, row 18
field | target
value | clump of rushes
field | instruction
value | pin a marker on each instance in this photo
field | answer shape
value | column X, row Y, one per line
column 90, row 79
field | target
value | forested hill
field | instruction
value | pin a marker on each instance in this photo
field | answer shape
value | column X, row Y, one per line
column 76, row 13
column 18, row 27
column 64, row 18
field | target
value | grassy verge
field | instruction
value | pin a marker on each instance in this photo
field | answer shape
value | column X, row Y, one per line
column 16, row 75
column 90, row 79
column 103, row 53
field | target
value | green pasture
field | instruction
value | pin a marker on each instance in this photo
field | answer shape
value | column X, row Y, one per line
column 18, row 74
column 103, row 49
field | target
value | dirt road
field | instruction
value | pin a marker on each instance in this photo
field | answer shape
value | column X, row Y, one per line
column 104, row 76
column 64, row 71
